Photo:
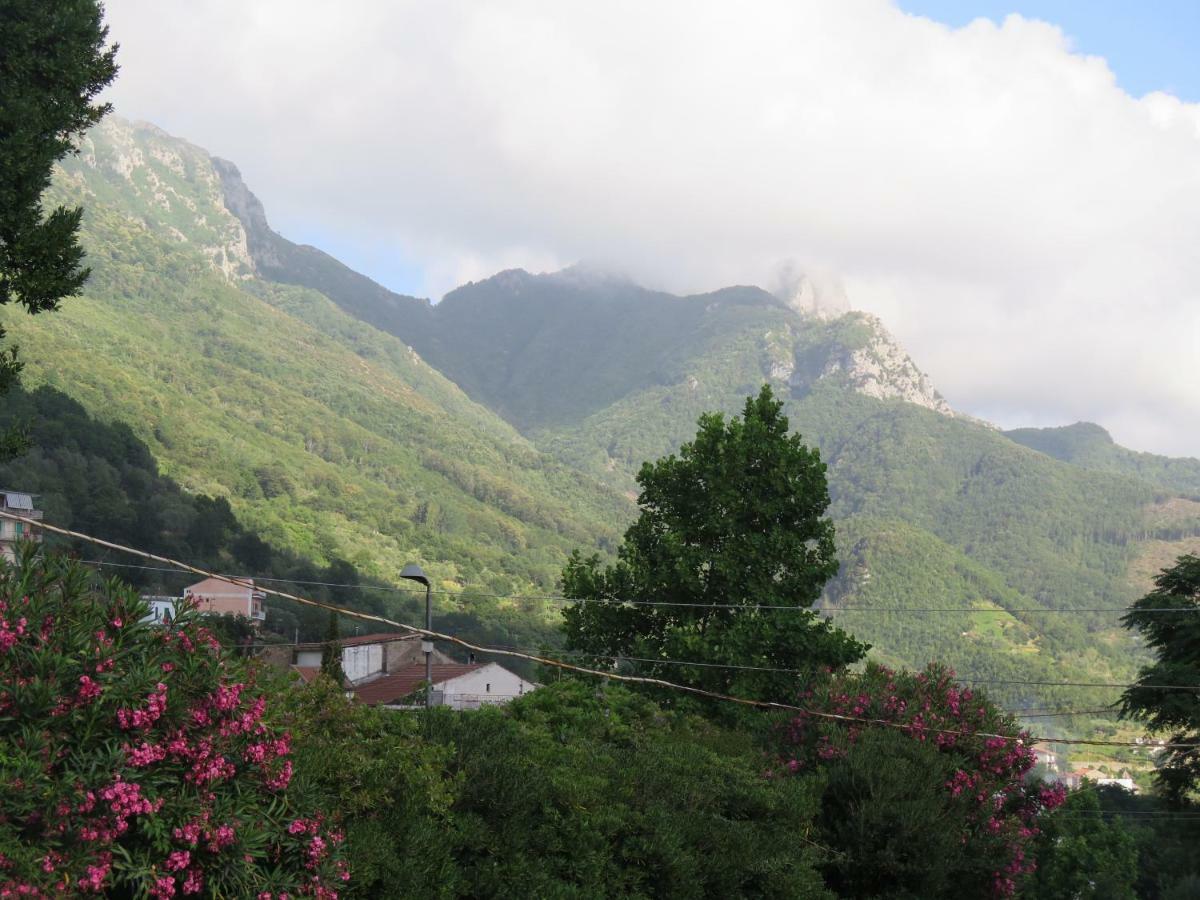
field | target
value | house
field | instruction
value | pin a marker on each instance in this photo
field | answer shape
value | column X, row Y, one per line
column 212, row 595
column 1125, row 782
column 457, row 685
column 11, row 532
column 1070, row 780
column 162, row 610
column 1047, row 758
column 369, row 656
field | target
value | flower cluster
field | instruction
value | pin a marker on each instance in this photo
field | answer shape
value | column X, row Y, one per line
column 991, row 757
column 120, row 732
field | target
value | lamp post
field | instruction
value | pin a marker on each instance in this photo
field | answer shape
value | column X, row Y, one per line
column 413, row 572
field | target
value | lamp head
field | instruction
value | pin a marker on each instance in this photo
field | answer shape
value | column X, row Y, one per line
column 413, row 572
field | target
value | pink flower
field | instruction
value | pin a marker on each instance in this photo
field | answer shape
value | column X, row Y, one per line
column 145, row 755
column 221, row 838
column 282, row 779
column 156, row 705
column 194, row 882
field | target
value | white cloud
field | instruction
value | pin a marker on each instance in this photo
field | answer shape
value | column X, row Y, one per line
column 1026, row 227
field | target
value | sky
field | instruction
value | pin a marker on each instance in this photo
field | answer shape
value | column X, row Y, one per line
column 1013, row 187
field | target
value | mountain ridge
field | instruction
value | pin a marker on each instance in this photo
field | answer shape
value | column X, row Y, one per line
column 878, row 367
column 483, row 451
column 328, row 436
column 909, row 476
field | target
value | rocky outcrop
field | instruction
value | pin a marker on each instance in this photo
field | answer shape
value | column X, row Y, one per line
column 276, row 258
column 169, row 186
column 875, row 365
column 263, row 243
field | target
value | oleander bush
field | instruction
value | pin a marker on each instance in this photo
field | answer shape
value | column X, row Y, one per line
column 927, row 785
column 140, row 760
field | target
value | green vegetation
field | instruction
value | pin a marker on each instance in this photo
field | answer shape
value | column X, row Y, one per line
column 1165, row 836
column 47, row 103
column 1091, row 447
column 576, row 790
column 1082, row 855
column 328, row 438
column 100, row 479
column 1174, row 638
column 732, row 540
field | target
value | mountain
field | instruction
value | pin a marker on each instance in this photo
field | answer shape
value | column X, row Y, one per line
column 330, row 438
column 489, row 433
column 1088, row 445
column 934, row 509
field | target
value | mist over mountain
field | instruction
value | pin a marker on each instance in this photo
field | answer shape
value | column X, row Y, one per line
column 492, row 432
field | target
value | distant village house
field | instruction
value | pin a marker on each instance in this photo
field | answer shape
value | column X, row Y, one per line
column 162, row 610
column 389, row 670
column 368, row 656
column 212, row 595
column 459, row 686
column 11, row 532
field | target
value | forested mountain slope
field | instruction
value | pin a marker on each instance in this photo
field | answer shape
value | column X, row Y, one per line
column 1090, row 446
column 330, row 438
column 270, row 373
column 935, row 510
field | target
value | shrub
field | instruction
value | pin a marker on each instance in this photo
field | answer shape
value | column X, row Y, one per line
column 388, row 788
column 926, row 801
column 138, row 759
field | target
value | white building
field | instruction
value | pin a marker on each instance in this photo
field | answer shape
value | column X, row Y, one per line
column 11, row 532
column 369, row 656
column 1126, row 783
column 458, row 685
column 162, row 610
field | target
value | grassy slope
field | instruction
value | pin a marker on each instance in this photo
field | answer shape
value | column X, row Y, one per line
column 330, row 437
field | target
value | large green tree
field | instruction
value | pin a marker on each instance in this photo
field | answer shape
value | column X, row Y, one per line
column 1168, row 618
column 722, row 567
column 53, row 65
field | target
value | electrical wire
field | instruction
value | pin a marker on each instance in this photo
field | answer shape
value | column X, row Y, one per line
column 617, row 602
column 612, row 676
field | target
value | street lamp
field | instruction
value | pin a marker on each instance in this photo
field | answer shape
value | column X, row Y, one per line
column 413, row 572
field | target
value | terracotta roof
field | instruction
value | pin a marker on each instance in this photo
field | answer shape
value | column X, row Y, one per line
column 399, row 684
column 361, row 639
column 307, row 673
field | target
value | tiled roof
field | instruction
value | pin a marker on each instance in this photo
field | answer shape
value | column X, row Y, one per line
column 361, row 639
column 307, row 673
column 403, row 682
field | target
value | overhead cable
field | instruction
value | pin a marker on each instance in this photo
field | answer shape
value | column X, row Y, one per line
column 612, row 676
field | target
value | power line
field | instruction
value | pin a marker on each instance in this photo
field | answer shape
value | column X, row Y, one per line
column 1063, row 713
column 679, row 662
column 613, row 676
column 959, row 678
column 617, row 602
